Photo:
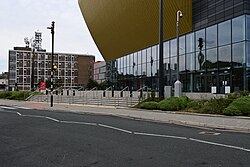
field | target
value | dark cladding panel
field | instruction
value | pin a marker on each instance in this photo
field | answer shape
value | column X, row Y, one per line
column 209, row 12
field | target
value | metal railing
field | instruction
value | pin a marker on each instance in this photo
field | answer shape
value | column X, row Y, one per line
column 85, row 96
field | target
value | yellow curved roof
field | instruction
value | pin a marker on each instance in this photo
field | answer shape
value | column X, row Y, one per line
column 121, row 27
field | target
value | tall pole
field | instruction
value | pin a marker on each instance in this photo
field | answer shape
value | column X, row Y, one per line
column 177, row 84
column 161, row 70
column 52, row 28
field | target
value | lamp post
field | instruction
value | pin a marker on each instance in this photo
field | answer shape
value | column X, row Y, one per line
column 177, row 84
column 52, row 28
column 161, row 72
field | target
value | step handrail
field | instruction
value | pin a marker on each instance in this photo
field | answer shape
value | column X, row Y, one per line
column 90, row 91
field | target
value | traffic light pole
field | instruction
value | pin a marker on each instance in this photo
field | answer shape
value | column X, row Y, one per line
column 52, row 28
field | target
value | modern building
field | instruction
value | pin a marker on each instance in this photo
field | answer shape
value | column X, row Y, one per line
column 73, row 70
column 100, row 69
column 214, row 43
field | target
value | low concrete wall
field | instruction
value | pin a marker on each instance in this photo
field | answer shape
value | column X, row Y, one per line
column 203, row 96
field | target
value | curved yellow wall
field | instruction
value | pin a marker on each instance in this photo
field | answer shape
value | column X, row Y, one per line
column 120, row 27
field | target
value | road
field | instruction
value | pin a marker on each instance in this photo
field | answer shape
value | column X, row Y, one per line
column 31, row 138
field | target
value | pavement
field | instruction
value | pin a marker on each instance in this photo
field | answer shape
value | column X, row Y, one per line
column 219, row 122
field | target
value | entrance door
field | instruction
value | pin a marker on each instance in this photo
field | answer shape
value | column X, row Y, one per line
column 199, row 83
column 224, row 82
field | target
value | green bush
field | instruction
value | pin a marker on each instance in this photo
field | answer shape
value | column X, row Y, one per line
column 240, row 106
column 215, row 106
column 17, row 95
column 196, row 105
column 174, row 103
column 149, row 105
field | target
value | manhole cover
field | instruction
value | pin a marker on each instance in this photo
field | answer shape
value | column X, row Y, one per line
column 209, row 133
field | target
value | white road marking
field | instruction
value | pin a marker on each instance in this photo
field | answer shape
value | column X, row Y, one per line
column 5, row 107
column 24, row 108
column 18, row 113
column 53, row 119
column 219, row 144
column 81, row 123
column 158, row 135
column 114, row 128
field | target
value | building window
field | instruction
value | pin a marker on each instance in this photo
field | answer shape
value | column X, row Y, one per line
column 224, row 56
column 211, row 62
column 224, row 33
column 211, row 37
column 238, row 54
column 238, row 28
column 190, row 43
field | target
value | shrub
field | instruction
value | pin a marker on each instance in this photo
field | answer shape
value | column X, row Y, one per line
column 240, row 106
column 215, row 106
column 149, row 105
column 196, row 104
column 17, row 95
column 174, row 103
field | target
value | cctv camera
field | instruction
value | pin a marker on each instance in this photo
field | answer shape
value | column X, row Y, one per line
column 181, row 15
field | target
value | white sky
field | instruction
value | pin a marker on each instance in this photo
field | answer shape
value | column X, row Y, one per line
column 21, row 18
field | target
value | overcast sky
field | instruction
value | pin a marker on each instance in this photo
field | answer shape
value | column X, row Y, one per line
column 21, row 18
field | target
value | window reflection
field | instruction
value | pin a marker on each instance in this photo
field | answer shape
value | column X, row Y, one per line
column 248, row 55
column 248, row 27
column 224, row 33
column 238, row 54
column 238, row 27
column 224, row 56
column 149, row 55
column 211, row 37
column 166, row 50
column 190, row 58
column 190, row 43
column 199, row 34
column 144, row 56
column 211, row 62
column 182, row 63
column 173, row 47
column 182, row 47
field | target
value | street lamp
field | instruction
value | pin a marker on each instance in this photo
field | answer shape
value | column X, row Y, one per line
column 177, row 84
column 52, row 28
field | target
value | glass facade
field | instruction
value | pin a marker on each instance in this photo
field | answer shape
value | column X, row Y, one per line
column 224, row 60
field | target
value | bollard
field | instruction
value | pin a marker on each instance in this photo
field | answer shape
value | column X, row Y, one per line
column 61, row 92
column 104, row 93
column 131, row 93
column 74, row 92
column 67, row 92
column 122, row 94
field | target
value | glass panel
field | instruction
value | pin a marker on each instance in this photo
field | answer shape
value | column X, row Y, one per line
column 182, row 63
column 248, row 27
column 173, row 47
column 144, row 56
column 200, row 60
column 248, row 55
column 182, row 47
column 211, row 37
column 149, row 55
column 166, row 50
column 125, row 61
column 238, row 54
column 238, row 27
column 211, row 62
column 149, row 69
column 131, row 60
column 190, row 62
column 173, row 65
column 135, row 59
column 144, row 69
column 139, row 57
column 190, row 43
column 224, row 56
column 154, row 52
column 199, row 34
column 224, row 33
